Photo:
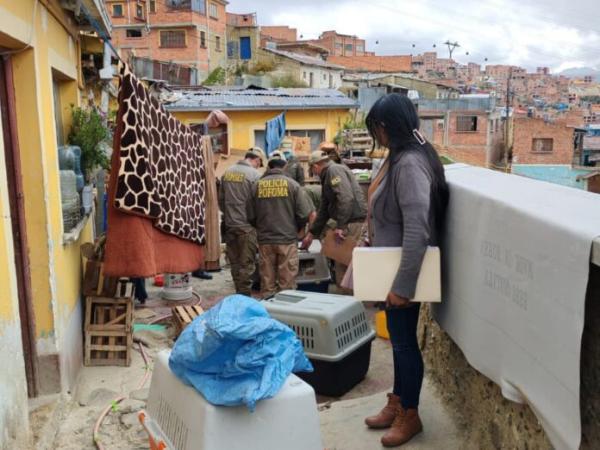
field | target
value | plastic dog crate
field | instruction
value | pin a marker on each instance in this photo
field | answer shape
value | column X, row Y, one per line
column 313, row 272
column 335, row 333
column 178, row 416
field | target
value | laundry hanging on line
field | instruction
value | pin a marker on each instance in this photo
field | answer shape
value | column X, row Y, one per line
column 135, row 247
column 162, row 169
column 274, row 133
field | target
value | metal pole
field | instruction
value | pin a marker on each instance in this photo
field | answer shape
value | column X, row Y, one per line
column 506, row 119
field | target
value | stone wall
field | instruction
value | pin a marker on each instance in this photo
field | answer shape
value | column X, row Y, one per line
column 489, row 420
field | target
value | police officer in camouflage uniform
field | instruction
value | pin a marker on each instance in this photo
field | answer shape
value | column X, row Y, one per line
column 279, row 209
column 234, row 194
column 342, row 200
column 294, row 169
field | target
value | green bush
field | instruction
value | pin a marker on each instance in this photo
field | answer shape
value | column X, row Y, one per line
column 87, row 131
column 288, row 81
column 216, row 77
column 260, row 68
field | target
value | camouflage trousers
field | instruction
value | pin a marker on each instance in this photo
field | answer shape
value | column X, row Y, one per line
column 241, row 253
column 278, row 265
column 354, row 231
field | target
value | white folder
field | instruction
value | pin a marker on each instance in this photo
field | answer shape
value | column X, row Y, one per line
column 375, row 268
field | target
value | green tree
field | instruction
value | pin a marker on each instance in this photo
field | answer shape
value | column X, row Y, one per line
column 87, row 131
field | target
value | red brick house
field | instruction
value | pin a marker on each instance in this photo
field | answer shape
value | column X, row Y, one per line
column 187, row 33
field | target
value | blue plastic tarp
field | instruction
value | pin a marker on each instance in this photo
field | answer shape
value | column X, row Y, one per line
column 236, row 354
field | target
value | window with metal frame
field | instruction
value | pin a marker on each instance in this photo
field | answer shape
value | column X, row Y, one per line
column 542, row 145
column 139, row 11
column 152, row 6
column 213, row 11
column 172, row 39
column 133, row 33
column 203, row 39
column 117, row 10
column 466, row 124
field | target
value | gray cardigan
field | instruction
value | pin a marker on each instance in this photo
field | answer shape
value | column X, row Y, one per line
column 405, row 219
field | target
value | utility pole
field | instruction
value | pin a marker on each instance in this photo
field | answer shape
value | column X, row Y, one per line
column 451, row 47
column 508, row 98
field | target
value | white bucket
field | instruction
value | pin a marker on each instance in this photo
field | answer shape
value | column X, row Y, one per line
column 178, row 286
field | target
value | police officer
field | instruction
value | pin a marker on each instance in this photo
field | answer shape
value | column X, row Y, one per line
column 313, row 193
column 294, row 169
column 279, row 209
column 234, row 194
column 342, row 200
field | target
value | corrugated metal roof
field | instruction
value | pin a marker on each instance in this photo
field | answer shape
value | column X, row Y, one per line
column 265, row 99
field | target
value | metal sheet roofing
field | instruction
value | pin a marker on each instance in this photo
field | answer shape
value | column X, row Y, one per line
column 265, row 99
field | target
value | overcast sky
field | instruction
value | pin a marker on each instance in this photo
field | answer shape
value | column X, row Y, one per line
column 560, row 34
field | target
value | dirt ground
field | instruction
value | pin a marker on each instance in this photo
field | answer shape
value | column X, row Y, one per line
column 99, row 386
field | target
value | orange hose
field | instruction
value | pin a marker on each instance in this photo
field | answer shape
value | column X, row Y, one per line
column 119, row 399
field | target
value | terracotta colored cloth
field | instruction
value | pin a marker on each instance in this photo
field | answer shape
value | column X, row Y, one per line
column 213, row 229
column 134, row 246
column 162, row 168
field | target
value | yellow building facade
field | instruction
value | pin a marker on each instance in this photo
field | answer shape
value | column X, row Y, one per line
column 246, row 126
column 40, row 262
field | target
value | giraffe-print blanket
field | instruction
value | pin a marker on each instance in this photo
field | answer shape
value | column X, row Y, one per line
column 161, row 170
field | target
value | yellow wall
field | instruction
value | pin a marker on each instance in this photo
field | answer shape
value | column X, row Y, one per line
column 243, row 124
column 55, row 268
column 8, row 293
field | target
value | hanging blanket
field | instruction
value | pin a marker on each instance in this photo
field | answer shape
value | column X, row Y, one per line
column 274, row 133
column 161, row 169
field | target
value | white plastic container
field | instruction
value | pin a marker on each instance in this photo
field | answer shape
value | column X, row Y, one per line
column 335, row 333
column 287, row 421
column 87, row 199
column 177, row 286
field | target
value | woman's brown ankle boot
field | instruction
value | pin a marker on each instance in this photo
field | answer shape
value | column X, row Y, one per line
column 387, row 415
column 406, row 425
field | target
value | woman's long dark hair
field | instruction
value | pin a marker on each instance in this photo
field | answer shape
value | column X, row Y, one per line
column 397, row 115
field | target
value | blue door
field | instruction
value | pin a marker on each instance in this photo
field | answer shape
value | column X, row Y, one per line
column 245, row 48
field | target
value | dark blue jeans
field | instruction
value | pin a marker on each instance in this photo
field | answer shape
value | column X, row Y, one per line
column 408, row 362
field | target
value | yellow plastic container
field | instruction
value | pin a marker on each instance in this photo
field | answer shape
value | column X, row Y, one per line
column 381, row 325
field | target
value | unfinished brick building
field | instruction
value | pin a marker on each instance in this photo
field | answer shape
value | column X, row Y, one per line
column 188, row 33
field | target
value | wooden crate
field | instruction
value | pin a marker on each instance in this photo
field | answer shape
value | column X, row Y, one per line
column 96, row 284
column 108, row 331
column 183, row 315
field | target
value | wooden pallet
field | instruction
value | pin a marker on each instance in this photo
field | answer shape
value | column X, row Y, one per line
column 183, row 315
column 108, row 331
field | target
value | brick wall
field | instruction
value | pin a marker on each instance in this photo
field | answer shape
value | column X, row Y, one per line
column 527, row 129
column 166, row 18
column 469, row 147
column 279, row 33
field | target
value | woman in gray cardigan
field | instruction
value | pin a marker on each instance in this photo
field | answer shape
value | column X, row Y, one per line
column 407, row 205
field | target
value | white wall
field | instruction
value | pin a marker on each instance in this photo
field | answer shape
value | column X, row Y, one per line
column 321, row 77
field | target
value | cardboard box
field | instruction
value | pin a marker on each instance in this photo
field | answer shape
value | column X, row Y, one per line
column 375, row 268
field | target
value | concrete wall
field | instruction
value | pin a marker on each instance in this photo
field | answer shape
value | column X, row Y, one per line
column 55, row 264
column 243, row 124
column 552, row 173
column 13, row 387
column 287, row 66
column 486, row 417
column 235, row 33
